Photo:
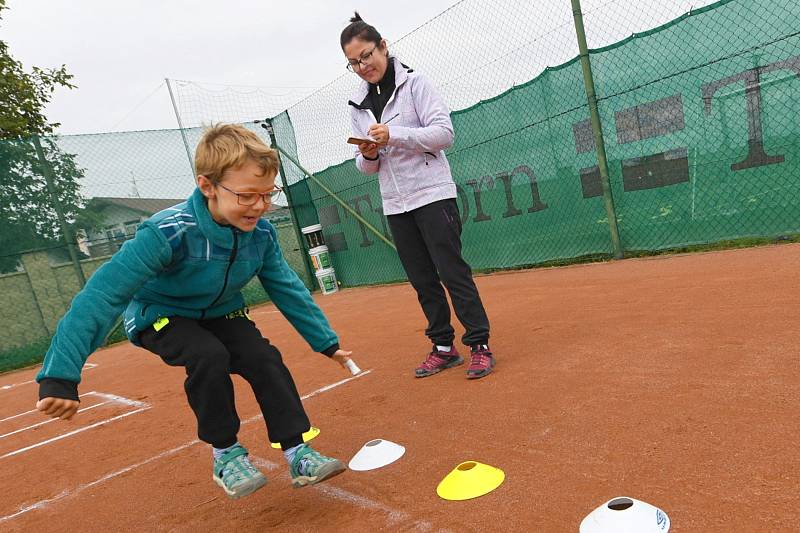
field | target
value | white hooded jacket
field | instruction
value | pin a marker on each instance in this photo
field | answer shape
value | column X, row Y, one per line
column 413, row 170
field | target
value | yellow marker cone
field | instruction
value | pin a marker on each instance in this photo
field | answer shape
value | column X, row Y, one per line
column 307, row 436
column 470, row 480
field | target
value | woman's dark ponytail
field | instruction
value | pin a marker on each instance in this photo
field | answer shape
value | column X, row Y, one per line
column 358, row 29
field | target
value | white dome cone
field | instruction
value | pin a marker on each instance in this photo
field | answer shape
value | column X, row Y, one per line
column 375, row 454
column 626, row 515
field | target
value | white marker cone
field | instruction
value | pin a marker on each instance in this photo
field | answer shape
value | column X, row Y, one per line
column 625, row 515
column 375, row 454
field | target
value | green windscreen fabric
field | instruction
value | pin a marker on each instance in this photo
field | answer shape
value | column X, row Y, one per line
column 700, row 125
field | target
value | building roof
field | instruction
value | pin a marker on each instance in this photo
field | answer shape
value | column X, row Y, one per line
column 147, row 206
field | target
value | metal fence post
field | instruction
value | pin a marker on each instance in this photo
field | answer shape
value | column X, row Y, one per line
column 290, row 203
column 180, row 126
column 597, row 129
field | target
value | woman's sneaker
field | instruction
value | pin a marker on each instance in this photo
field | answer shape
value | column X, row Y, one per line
column 481, row 361
column 236, row 474
column 310, row 467
column 437, row 361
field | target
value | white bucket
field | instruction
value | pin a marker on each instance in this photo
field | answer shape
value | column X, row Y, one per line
column 313, row 235
column 320, row 257
column 327, row 281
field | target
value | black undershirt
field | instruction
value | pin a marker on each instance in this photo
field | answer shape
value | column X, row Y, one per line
column 376, row 99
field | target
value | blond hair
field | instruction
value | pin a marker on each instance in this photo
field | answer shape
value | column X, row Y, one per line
column 229, row 146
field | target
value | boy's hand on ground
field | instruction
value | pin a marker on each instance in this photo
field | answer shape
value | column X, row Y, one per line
column 343, row 358
column 58, row 407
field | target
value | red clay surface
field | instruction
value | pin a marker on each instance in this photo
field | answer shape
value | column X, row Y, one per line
column 673, row 380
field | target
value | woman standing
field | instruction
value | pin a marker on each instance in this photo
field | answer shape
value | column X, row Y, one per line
column 410, row 123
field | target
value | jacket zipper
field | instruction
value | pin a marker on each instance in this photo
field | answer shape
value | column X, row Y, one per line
column 389, row 159
column 227, row 271
column 391, row 98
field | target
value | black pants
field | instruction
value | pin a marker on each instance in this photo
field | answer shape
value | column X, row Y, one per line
column 428, row 240
column 211, row 350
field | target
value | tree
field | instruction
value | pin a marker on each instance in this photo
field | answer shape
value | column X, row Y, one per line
column 38, row 193
column 24, row 96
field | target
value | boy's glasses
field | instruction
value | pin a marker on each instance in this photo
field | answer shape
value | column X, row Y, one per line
column 365, row 59
column 251, row 198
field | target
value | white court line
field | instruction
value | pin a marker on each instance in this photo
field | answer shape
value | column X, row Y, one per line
column 394, row 516
column 333, row 385
column 36, row 410
column 64, row 494
column 71, row 433
column 53, row 419
column 43, row 503
column 263, row 463
column 6, row 387
column 120, row 399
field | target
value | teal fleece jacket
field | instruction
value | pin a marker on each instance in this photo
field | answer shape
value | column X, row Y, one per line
column 180, row 263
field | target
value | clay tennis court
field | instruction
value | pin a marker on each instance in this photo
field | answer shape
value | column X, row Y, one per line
column 672, row 380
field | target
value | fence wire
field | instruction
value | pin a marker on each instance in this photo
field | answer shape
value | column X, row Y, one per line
column 698, row 115
column 68, row 203
column 696, row 103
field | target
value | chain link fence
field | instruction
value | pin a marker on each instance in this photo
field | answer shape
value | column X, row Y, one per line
column 696, row 110
column 696, row 107
column 702, row 142
column 68, row 204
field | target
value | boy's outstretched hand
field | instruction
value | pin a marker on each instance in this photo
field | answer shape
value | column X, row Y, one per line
column 343, row 358
column 59, row 407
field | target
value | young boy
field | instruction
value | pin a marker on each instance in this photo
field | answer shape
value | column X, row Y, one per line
column 178, row 282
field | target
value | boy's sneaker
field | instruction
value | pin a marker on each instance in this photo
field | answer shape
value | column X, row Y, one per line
column 437, row 361
column 236, row 474
column 481, row 363
column 310, row 467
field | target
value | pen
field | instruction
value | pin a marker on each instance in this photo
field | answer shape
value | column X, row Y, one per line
column 388, row 121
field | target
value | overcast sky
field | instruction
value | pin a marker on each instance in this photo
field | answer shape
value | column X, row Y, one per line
column 120, row 52
column 249, row 59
